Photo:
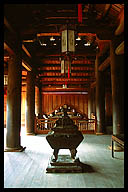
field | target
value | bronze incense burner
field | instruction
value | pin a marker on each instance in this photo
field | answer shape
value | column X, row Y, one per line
column 64, row 135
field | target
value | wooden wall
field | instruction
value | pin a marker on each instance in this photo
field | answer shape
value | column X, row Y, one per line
column 52, row 101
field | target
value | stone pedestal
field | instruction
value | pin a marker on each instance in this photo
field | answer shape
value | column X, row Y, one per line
column 64, row 164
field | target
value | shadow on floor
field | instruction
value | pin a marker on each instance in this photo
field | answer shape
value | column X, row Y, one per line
column 86, row 168
column 119, row 158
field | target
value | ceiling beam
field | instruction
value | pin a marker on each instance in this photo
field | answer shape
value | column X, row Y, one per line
column 120, row 49
column 54, row 78
column 104, row 65
column 87, row 34
column 61, row 76
column 93, row 84
column 70, row 82
column 25, row 50
column 7, row 47
column 26, row 66
column 106, row 10
column 47, row 34
column 50, row 53
column 120, row 27
column 72, row 71
column 73, row 65
column 64, row 89
column 102, row 29
column 59, row 34
column 6, row 23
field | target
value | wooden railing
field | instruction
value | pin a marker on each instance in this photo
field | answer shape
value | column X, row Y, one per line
column 87, row 125
column 43, row 126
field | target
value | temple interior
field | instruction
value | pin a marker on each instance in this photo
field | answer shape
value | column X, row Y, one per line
column 64, row 95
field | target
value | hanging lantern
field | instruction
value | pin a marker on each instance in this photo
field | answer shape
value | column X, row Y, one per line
column 67, row 48
column 68, row 41
column 66, row 66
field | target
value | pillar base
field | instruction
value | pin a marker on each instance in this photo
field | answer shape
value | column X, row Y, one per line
column 99, row 133
column 30, row 134
column 116, row 148
column 11, row 149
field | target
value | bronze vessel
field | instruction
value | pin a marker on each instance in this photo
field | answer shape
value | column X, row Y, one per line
column 64, row 135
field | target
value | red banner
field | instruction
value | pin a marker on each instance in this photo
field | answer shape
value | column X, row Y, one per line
column 68, row 71
column 80, row 13
column 5, row 91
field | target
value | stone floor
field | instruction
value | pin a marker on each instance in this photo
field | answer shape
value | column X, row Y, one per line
column 27, row 169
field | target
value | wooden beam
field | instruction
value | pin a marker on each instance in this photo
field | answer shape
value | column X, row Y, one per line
column 56, row 61
column 82, row 29
column 87, row 34
column 26, row 66
column 58, row 68
column 120, row 27
column 103, row 46
column 6, row 47
column 106, row 9
column 64, row 89
column 120, row 49
column 55, row 53
column 25, row 50
column 105, row 64
column 93, row 84
column 59, row 77
column 56, row 79
column 48, row 34
column 73, row 65
column 70, row 82
column 6, row 23
column 59, row 71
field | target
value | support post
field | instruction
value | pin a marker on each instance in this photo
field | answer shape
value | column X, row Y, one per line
column 90, row 103
column 13, row 139
column 117, row 81
column 40, row 100
column 100, row 99
column 30, row 103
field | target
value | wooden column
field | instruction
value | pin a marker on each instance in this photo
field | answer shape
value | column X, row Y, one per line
column 100, row 99
column 30, row 103
column 94, row 101
column 40, row 100
column 108, row 107
column 117, row 80
column 13, row 139
column 90, row 103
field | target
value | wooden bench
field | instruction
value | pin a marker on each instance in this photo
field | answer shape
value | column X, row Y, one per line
column 119, row 139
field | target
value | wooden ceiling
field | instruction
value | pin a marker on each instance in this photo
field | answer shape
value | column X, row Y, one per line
column 37, row 23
